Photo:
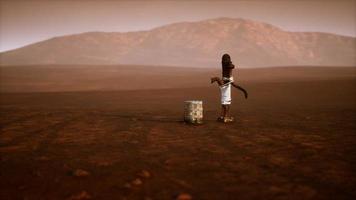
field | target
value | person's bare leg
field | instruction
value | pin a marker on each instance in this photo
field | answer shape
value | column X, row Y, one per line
column 227, row 117
column 227, row 111
column 223, row 111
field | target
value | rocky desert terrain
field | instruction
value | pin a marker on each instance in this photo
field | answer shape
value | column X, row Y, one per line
column 117, row 133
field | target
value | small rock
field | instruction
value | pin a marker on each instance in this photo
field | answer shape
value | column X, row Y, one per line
column 22, row 187
column 37, row 173
column 80, row 173
column 247, row 158
column 168, row 162
column 80, row 196
column 66, row 167
column 104, row 164
column 43, row 158
column 137, row 182
column 127, row 185
column 184, row 196
column 144, row 174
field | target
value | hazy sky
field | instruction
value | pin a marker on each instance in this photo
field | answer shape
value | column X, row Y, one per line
column 26, row 21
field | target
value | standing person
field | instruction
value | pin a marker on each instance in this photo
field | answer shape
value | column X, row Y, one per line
column 225, row 88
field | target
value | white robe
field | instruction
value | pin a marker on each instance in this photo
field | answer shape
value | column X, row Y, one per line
column 226, row 91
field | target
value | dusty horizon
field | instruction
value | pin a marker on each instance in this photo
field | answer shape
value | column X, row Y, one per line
column 24, row 23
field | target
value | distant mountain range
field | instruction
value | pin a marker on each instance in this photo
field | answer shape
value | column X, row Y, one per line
column 199, row 44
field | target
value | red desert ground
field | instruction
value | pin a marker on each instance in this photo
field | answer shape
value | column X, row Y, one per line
column 116, row 131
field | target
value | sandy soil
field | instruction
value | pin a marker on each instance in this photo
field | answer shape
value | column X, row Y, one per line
column 293, row 139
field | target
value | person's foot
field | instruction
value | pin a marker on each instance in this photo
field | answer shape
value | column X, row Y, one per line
column 220, row 119
column 228, row 119
column 225, row 119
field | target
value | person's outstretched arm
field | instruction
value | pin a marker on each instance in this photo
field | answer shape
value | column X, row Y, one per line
column 240, row 88
column 218, row 80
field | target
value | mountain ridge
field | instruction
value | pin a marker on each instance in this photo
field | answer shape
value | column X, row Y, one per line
column 200, row 43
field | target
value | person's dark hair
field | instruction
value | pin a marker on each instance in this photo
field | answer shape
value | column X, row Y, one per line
column 226, row 61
